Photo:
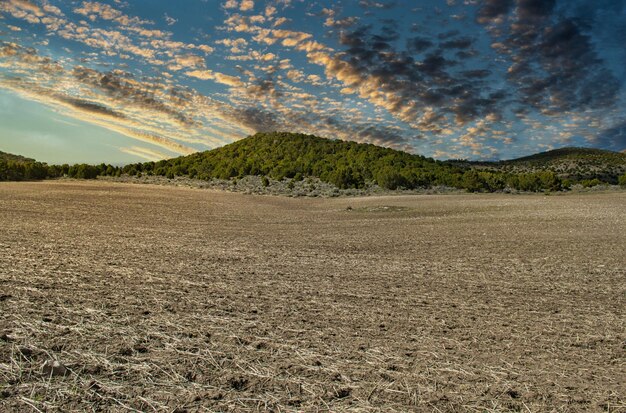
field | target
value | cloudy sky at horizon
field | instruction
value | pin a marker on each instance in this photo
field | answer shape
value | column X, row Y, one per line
column 121, row 81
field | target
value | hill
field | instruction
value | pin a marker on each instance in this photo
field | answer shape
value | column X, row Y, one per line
column 297, row 156
column 557, row 155
column 4, row 156
column 348, row 164
column 287, row 158
column 571, row 163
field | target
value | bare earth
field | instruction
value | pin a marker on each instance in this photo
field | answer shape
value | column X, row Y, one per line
column 179, row 300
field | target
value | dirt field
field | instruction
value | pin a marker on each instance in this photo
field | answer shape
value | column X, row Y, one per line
column 180, row 300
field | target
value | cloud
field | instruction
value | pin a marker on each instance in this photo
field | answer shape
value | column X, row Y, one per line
column 23, row 9
column 186, row 61
column 371, row 4
column 359, row 76
column 493, row 11
column 458, row 43
column 93, row 10
column 23, row 5
column 418, row 44
column 246, row 5
column 93, row 113
column 394, row 80
column 17, row 56
column 146, row 153
column 126, row 90
column 90, row 107
column 257, row 119
column 613, row 138
column 170, row 21
column 555, row 66
column 216, row 76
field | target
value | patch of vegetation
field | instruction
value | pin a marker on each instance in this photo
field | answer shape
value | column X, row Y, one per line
column 6, row 157
column 19, row 168
column 344, row 164
column 280, row 156
column 576, row 165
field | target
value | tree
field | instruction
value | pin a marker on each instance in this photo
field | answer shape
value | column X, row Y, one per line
column 389, row 178
column 472, row 181
column 83, row 171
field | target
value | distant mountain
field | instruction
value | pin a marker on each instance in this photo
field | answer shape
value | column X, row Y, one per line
column 4, row 156
column 572, row 153
column 576, row 164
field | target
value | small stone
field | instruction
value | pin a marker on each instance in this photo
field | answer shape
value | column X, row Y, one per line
column 53, row 368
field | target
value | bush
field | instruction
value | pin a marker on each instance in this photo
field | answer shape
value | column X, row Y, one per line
column 588, row 183
column 622, row 180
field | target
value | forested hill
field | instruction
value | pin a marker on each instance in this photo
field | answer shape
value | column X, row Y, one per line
column 575, row 164
column 13, row 158
column 573, row 153
column 288, row 155
column 280, row 156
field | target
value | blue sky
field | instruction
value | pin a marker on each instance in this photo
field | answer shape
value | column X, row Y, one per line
column 121, row 81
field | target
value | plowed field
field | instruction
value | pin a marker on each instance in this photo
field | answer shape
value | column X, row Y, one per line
column 179, row 300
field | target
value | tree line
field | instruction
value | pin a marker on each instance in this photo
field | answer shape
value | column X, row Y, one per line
column 295, row 157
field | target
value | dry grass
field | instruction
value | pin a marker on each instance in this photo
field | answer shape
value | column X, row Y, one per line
column 172, row 300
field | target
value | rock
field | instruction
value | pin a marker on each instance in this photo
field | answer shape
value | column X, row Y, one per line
column 54, row 368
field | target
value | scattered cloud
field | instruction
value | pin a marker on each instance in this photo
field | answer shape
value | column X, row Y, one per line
column 471, row 78
column 170, row 21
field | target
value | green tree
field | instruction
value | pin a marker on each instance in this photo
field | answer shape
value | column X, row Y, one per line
column 472, row 181
column 389, row 178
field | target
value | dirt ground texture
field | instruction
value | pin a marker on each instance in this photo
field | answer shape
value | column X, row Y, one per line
column 184, row 300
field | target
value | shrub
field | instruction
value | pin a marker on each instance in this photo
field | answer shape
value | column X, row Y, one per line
column 588, row 183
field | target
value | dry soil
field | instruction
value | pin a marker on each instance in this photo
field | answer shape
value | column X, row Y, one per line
column 180, row 300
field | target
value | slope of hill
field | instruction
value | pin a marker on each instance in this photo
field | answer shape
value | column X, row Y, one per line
column 575, row 164
column 560, row 154
column 296, row 156
column 4, row 156
column 20, row 168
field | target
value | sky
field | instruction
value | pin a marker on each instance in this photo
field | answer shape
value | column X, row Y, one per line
column 124, row 81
